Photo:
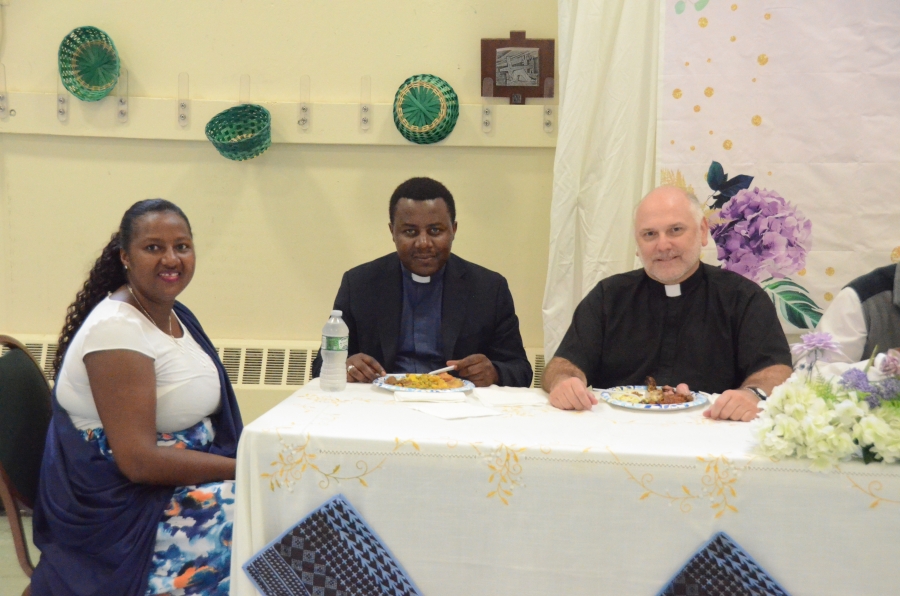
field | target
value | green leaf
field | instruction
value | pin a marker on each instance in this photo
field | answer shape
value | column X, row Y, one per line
column 701, row 4
column 679, row 7
column 793, row 303
column 716, row 176
column 795, row 297
column 869, row 456
column 739, row 182
column 785, row 282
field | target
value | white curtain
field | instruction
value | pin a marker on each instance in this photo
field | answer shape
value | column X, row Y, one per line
column 605, row 152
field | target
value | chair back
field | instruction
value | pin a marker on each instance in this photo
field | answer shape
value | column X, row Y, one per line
column 25, row 412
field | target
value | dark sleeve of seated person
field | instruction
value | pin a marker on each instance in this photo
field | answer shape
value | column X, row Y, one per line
column 494, row 332
column 762, row 357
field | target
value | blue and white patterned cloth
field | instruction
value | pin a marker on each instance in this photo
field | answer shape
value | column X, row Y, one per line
column 193, row 540
column 721, row 566
column 330, row 552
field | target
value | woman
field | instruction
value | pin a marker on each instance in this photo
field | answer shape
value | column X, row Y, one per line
column 136, row 485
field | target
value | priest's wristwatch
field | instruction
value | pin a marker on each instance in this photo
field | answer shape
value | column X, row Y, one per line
column 759, row 392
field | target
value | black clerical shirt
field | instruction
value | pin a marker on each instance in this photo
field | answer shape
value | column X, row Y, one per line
column 719, row 331
column 420, row 348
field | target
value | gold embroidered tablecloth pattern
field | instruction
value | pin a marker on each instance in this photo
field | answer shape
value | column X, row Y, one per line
column 644, row 489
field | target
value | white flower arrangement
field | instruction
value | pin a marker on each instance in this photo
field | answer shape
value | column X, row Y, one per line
column 832, row 420
column 881, row 429
column 810, row 420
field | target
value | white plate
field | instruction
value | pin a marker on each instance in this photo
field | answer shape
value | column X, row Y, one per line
column 608, row 395
column 380, row 382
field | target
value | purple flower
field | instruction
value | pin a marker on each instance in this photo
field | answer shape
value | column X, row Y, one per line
column 890, row 365
column 760, row 235
column 877, row 392
column 816, row 342
column 887, row 390
column 856, row 380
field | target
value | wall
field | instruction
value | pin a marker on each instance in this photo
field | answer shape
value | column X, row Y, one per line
column 274, row 234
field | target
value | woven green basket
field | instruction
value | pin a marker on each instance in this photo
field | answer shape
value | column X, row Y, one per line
column 425, row 109
column 88, row 63
column 241, row 132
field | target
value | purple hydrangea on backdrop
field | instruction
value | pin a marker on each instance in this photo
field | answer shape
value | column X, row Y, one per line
column 760, row 235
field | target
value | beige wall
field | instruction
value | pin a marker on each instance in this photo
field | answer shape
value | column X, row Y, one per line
column 274, row 234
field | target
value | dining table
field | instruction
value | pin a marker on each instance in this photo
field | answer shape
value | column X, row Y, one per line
column 501, row 493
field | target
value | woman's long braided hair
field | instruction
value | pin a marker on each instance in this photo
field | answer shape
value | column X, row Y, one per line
column 108, row 274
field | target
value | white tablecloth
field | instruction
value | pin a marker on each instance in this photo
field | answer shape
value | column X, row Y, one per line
column 541, row 501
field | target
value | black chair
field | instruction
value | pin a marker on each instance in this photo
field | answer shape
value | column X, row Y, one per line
column 24, row 420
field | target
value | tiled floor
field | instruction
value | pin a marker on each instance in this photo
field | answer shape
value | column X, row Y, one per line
column 12, row 579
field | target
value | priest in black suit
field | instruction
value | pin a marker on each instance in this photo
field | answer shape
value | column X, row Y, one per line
column 422, row 308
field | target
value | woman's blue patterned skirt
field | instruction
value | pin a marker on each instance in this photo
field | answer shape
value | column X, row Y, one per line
column 193, row 539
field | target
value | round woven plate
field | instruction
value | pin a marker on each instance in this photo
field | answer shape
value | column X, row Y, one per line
column 425, row 109
column 88, row 63
column 241, row 132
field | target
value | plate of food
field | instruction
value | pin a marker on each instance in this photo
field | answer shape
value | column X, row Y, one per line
column 414, row 383
column 651, row 397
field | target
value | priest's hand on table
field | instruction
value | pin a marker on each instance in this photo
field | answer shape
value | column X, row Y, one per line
column 734, row 404
column 572, row 394
column 362, row 368
column 567, row 386
column 743, row 403
column 476, row 368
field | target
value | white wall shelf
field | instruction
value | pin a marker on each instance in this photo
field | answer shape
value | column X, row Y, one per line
column 332, row 124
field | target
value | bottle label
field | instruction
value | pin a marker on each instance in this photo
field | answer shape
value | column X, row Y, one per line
column 335, row 344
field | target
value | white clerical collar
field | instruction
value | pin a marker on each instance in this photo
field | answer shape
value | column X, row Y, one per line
column 673, row 290
column 422, row 280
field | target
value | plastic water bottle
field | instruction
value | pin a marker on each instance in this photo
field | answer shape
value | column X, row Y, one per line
column 335, row 341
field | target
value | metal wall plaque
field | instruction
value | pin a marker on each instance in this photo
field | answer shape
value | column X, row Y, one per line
column 518, row 66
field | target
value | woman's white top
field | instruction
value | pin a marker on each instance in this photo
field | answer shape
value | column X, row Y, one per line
column 187, row 381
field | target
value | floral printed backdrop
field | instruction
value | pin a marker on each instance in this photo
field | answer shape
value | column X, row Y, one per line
column 784, row 119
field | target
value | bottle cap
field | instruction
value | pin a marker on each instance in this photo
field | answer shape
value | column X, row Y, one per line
column 337, row 313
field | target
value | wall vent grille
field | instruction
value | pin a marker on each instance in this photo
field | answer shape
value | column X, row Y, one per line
column 248, row 363
column 538, row 364
column 274, row 367
column 253, row 362
column 231, row 360
column 296, row 369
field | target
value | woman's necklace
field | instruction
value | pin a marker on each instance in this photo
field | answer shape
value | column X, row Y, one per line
column 130, row 291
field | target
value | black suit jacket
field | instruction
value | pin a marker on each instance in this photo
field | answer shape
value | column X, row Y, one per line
column 477, row 316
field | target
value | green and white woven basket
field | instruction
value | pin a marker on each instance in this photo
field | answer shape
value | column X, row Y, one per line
column 88, row 63
column 241, row 132
column 425, row 109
